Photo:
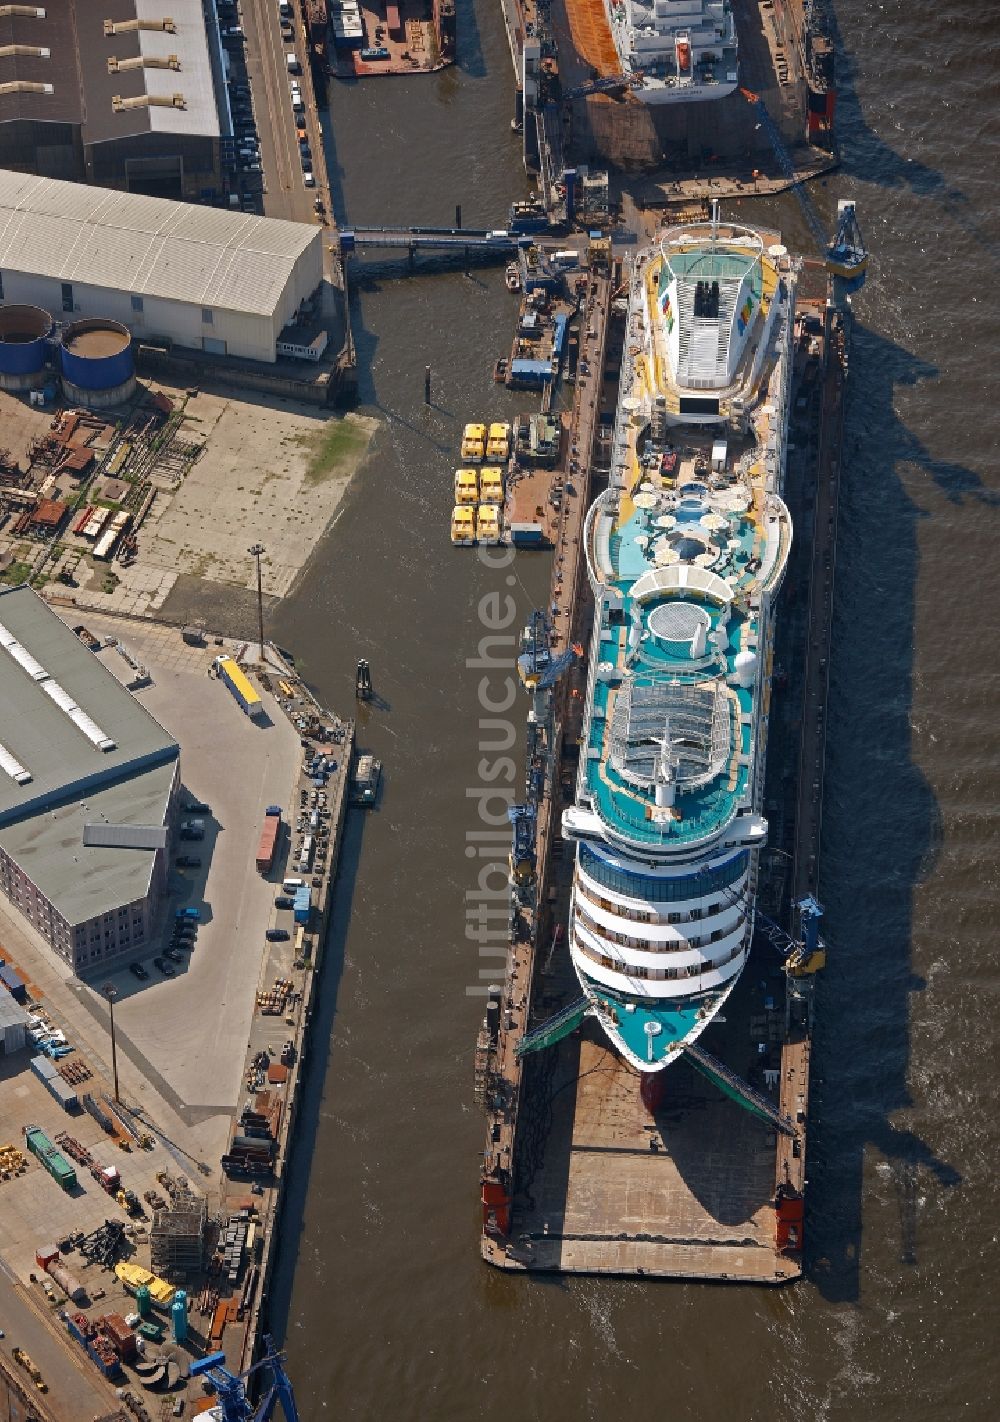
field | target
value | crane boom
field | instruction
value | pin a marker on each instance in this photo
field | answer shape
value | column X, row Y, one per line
column 846, row 257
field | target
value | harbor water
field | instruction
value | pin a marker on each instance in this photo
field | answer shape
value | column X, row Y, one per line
column 381, row 1299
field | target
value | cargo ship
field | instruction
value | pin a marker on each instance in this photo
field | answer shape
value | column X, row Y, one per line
column 686, row 551
column 677, row 53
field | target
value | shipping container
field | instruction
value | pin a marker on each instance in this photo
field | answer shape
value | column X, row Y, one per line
column 46, row 1154
column 239, row 685
column 302, row 905
column 13, row 983
column 268, row 843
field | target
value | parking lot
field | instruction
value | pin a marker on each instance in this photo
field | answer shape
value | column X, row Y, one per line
column 278, row 156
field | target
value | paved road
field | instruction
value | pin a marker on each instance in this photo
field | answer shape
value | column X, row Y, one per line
column 284, row 193
column 75, row 1388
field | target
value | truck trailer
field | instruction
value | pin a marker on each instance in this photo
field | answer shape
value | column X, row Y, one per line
column 239, row 684
column 268, row 844
column 46, row 1154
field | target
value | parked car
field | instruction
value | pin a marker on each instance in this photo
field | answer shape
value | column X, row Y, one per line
column 197, row 807
column 276, row 935
column 188, row 861
column 284, row 902
column 138, row 970
column 308, row 179
column 305, row 158
column 172, row 954
column 167, row 969
column 184, row 935
column 189, row 912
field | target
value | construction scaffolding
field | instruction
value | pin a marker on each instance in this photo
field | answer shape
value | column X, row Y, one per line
column 177, row 1237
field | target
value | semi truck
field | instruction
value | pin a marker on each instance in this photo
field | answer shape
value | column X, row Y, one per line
column 239, row 684
column 268, row 844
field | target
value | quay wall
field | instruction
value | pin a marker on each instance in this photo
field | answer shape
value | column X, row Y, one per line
column 338, row 792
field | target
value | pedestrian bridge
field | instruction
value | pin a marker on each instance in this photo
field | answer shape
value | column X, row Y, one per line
column 416, row 239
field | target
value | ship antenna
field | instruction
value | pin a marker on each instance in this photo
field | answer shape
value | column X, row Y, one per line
column 715, row 219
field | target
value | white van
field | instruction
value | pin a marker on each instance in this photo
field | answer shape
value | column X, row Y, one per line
column 294, row 67
column 290, row 885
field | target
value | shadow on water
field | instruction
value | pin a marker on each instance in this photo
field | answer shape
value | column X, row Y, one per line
column 867, row 157
column 311, row 1092
column 882, row 827
column 470, row 59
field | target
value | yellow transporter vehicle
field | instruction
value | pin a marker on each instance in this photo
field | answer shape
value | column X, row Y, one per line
column 498, row 443
column 489, row 523
column 474, row 444
column 463, row 526
column 467, row 486
column 491, row 485
column 133, row 1276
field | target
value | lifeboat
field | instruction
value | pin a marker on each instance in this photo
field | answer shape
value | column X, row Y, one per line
column 498, row 443
column 489, row 524
column 491, row 485
column 683, row 56
column 463, row 526
column 474, row 444
column 466, row 486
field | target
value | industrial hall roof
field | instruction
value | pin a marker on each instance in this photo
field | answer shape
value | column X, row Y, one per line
column 67, row 725
column 147, row 246
column 119, row 68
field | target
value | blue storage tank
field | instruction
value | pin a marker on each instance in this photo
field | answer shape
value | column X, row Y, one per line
column 97, row 363
column 24, row 331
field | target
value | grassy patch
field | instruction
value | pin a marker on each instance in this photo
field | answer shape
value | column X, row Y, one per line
column 332, row 448
column 16, row 573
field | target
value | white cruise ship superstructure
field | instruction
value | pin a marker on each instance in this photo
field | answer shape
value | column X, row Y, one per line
column 686, row 552
column 682, row 50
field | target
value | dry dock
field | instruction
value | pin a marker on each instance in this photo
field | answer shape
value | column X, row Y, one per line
column 579, row 1176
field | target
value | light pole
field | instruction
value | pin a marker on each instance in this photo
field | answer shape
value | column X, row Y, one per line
column 111, row 992
column 257, row 551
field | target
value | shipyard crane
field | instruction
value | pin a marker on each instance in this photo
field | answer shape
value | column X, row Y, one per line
column 234, row 1405
column 846, row 256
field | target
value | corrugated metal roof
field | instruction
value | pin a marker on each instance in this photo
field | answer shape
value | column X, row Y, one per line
column 125, row 836
column 147, row 246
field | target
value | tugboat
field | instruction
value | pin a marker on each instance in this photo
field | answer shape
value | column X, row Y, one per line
column 363, row 681
column 512, row 277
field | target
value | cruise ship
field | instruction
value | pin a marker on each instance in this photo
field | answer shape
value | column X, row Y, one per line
column 676, row 51
column 686, row 551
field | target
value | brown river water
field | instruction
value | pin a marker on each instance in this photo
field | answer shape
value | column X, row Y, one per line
column 381, row 1299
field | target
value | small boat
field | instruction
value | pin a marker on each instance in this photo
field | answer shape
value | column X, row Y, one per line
column 498, row 442
column 500, row 370
column 474, row 444
column 463, row 526
column 512, row 277
column 489, row 524
column 466, row 486
column 491, row 485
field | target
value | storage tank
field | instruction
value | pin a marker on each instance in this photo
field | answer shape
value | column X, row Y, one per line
column 97, row 364
column 24, row 331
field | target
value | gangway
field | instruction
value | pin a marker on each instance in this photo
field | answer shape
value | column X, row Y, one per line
column 554, row 1028
column 608, row 85
column 737, row 1089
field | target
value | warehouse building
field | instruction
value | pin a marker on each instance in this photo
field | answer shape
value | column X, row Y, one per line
column 88, row 783
column 122, row 94
column 174, row 274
